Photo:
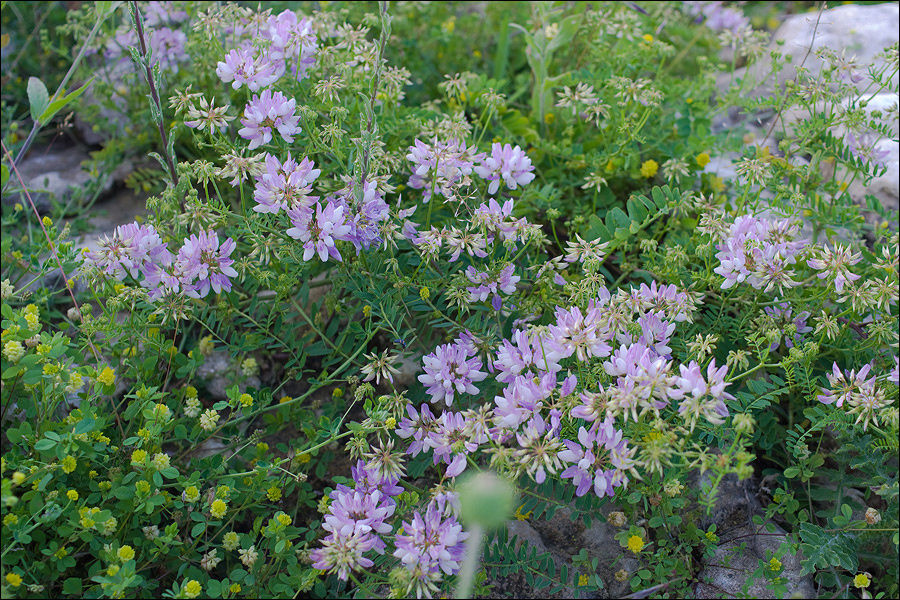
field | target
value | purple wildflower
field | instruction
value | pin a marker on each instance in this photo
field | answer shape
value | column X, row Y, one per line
column 760, row 252
column 491, row 284
column 240, row 67
column 359, row 512
column 523, row 399
column 430, row 545
column 600, row 460
column 268, row 111
column 342, row 554
column 717, row 16
column 783, row 315
column 582, row 335
column 203, row 259
column 369, row 480
column 844, row 388
column 285, row 185
column 132, row 250
column 507, row 164
column 319, row 230
column 449, row 370
column 701, row 396
column 867, row 147
column 835, row 264
column 527, row 355
column 417, row 425
column 452, row 440
column 364, row 210
column 440, row 165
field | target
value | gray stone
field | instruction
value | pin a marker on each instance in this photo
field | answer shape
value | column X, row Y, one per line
column 856, row 30
column 729, row 570
column 220, row 372
column 743, row 545
column 55, row 175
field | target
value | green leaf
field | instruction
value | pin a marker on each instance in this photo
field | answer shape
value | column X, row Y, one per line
column 824, row 550
column 72, row 586
column 44, row 445
column 38, row 98
column 58, row 104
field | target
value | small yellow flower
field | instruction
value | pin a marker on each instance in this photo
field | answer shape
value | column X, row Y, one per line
column 234, row 588
column 583, row 580
column 142, row 486
column 47, row 221
column 702, row 159
column 107, row 376
column 10, row 519
column 230, row 540
column 522, row 516
column 192, row 589
column 112, row 570
column 14, row 579
column 649, row 168
column 125, row 553
column 92, row 474
column 303, row 458
column 138, row 457
column 284, row 399
column 549, row 118
column 366, row 310
column 218, row 509
column 774, row 565
column 13, row 351
column 635, row 543
column 61, row 553
column 424, row 293
column 190, row 392
column 72, row 495
column 861, row 580
column 246, row 400
column 647, row 38
column 390, row 422
column 274, row 493
column 284, row 519
column 69, row 464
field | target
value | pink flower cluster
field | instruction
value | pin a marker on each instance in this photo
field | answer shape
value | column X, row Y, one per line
column 202, row 264
column 760, row 252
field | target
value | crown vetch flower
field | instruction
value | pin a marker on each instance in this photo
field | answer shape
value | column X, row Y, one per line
column 491, row 284
column 431, row 543
column 241, row 67
column 843, row 388
column 285, row 185
column 319, row 230
column 203, row 263
column 835, row 264
column 600, row 459
column 506, row 164
column 449, row 370
column 760, row 252
column 701, row 396
column 359, row 512
column 364, row 210
column 266, row 112
column 131, row 250
column 341, row 554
